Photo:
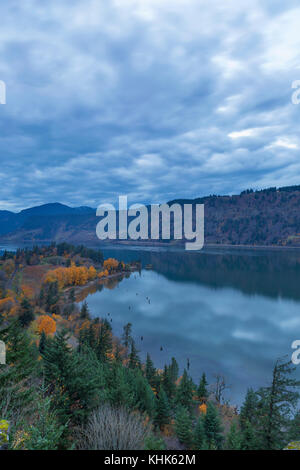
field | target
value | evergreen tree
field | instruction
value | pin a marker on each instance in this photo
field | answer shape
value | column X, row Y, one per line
column 52, row 295
column 184, row 395
column 42, row 343
column 248, row 441
column 202, row 390
column 45, row 433
column 154, row 442
column 126, row 337
column 134, row 360
column 174, row 369
column 118, row 353
column 233, row 438
column 212, row 426
column 163, row 412
column 168, row 383
column 16, row 377
column 26, row 315
column 120, row 392
column 73, row 378
column 249, row 408
column 183, row 426
column 144, row 396
column 199, row 438
column 276, row 404
column 84, row 311
column 90, row 338
column 150, row 371
column 42, row 296
column 104, row 343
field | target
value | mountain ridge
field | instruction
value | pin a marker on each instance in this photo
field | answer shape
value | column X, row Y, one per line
column 269, row 216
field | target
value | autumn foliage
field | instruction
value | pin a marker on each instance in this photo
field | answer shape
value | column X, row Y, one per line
column 103, row 274
column 203, row 408
column 46, row 324
column 111, row 264
column 72, row 276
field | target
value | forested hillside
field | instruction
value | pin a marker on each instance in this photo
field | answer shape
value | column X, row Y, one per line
column 267, row 217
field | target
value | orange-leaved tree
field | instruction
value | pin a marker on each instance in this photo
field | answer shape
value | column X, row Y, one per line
column 46, row 324
column 111, row 264
column 92, row 273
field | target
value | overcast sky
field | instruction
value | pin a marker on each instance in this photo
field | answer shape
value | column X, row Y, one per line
column 155, row 99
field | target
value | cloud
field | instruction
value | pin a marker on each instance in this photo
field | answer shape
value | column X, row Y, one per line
column 152, row 99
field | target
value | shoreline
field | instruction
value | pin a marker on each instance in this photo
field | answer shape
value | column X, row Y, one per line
column 136, row 245
column 96, row 282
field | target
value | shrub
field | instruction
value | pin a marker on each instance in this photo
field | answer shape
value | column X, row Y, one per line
column 111, row 428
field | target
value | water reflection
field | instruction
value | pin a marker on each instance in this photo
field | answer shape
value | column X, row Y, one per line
column 273, row 274
column 228, row 313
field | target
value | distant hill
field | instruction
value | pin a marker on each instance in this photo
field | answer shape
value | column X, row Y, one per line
column 267, row 217
column 47, row 222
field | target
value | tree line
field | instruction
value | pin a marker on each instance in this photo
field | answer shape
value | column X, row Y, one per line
column 60, row 396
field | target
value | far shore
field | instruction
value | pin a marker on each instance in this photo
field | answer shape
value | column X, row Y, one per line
column 147, row 244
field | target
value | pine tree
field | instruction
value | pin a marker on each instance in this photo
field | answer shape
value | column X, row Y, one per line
column 276, row 404
column 16, row 377
column 212, row 426
column 42, row 343
column 45, row 433
column 134, row 360
column 26, row 315
column 52, row 295
column 73, row 378
column 202, row 391
column 184, row 395
column 199, row 438
column 249, row 408
column 150, row 371
column 233, row 438
column 174, row 369
column 104, row 343
column 90, row 337
column 42, row 296
column 118, row 353
column 126, row 337
column 120, row 392
column 183, row 426
column 168, row 383
column 249, row 441
column 163, row 412
column 154, row 442
column 84, row 311
column 144, row 396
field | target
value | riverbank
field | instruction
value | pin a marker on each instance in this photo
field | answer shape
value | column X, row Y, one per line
column 140, row 245
column 94, row 284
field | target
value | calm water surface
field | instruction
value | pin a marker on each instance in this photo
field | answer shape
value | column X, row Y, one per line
column 229, row 313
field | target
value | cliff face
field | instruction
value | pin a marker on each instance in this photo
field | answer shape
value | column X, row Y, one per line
column 268, row 217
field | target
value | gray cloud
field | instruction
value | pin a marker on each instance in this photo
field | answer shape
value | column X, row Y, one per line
column 147, row 98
